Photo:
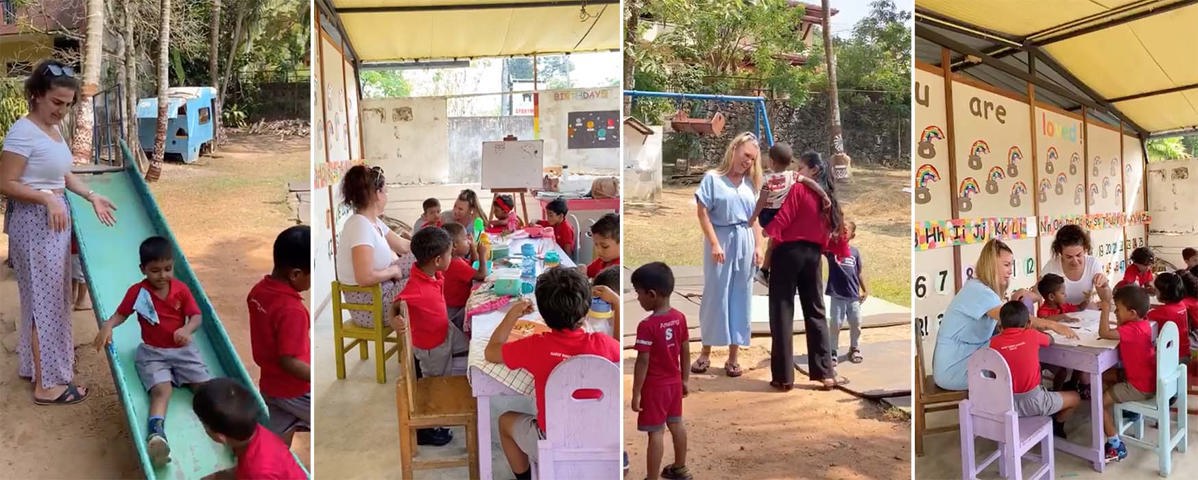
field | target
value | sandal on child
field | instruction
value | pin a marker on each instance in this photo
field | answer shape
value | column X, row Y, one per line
column 732, row 370
column 675, row 472
column 785, row 387
column 855, row 356
column 70, row 396
column 700, row 365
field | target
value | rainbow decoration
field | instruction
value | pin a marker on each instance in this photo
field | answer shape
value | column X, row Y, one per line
column 926, row 174
column 1018, row 188
column 1079, row 190
column 1014, row 154
column 1075, row 157
column 1094, row 189
column 1061, row 178
column 1106, row 181
column 979, row 147
column 969, row 187
column 1052, row 153
column 932, row 133
column 1127, row 169
column 997, row 174
column 1045, row 185
column 1118, row 189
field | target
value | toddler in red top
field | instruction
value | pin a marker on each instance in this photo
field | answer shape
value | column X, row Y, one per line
column 1170, row 291
column 563, row 298
column 420, row 306
column 660, row 376
column 1190, row 280
column 460, row 276
column 1139, row 273
column 229, row 414
column 563, row 232
column 1052, row 289
column 279, row 334
column 167, row 357
column 431, row 216
column 1020, row 347
column 1137, row 354
column 605, row 234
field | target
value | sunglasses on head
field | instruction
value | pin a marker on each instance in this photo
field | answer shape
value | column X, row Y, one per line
column 60, row 70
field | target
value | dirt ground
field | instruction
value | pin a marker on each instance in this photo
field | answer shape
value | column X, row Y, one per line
column 738, row 425
column 874, row 200
column 225, row 211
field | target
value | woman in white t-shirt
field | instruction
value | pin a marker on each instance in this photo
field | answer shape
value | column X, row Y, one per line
column 35, row 173
column 1072, row 260
column 369, row 253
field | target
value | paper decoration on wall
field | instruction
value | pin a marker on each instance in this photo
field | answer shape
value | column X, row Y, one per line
column 969, row 188
column 1061, row 180
column 1106, row 186
column 924, row 175
column 1014, row 155
column 1073, row 161
column 1119, row 189
column 1127, row 169
column 1044, row 186
column 1052, row 155
column 1077, row 194
column 1093, row 193
column 1114, row 166
column 948, row 233
column 1018, row 190
column 927, row 149
column 597, row 129
column 1098, row 221
column 975, row 154
column 1094, row 169
column 992, row 179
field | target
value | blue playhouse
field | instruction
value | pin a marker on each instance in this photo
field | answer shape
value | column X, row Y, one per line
column 189, row 124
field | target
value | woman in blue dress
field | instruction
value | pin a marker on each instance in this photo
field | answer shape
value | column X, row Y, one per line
column 726, row 198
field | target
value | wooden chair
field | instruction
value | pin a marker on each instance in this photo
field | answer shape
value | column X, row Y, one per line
column 433, row 402
column 583, row 439
column 930, row 398
column 380, row 334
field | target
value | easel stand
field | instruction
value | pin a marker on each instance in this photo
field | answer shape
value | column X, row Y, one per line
column 523, row 204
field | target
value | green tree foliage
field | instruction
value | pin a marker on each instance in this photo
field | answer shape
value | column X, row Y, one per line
column 1169, row 148
column 874, row 64
column 384, row 84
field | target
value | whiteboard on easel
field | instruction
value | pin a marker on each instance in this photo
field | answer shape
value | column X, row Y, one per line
column 513, row 164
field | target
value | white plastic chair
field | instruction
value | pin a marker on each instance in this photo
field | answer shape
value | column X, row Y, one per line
column 577, row 236
column 990, row 413
column 583, row 439
column 1170, row 383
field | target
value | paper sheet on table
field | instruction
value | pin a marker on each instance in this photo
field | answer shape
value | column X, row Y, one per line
column 1087, row 331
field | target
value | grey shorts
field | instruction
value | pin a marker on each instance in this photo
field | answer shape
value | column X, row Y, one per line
column 457, row 316
column 289, row 414
column 1123, row 392
column 76, row 269
column 527, row 433
column 438, row 361
column 1038, row 402
column 179, row 366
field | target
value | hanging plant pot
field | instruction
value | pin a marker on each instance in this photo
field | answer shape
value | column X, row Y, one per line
column 681, row 122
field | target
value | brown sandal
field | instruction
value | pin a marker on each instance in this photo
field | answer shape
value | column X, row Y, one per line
column 700, row 365
column 732, row 370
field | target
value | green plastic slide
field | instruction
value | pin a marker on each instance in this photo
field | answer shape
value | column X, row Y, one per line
column 110, row 264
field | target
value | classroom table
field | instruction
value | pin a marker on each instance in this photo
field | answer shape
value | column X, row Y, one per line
column 1092, row 356
column 492, row 379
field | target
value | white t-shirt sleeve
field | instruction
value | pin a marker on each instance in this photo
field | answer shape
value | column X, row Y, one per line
column 355, row 232
column 20, row 138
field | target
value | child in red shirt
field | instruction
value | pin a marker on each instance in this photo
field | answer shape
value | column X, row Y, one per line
column 660, row 376
column 1139, row 273
column 279, row 324
column 563, row 298
column 1052, row 289
column 435, row 341
column 1020, row 347
column 605, row 234
column 604, row 287
column 1137, row 354
column 229, row 414
column 460, row 276
column 1190, row 280
column 167, row 357
column 563, row 232
column 431, row 216
column 505, row 220
column 1171, row 292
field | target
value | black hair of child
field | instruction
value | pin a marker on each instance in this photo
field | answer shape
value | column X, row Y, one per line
column 654, row 276
column 155, row 249
column 608, row 226
column 1169, row 288
column 1049, row 284
column 430, row 243
column 1133, row 298
column 454, row 230
column 563, row 297
column 781, row 154
column 558, row 206
column 1188, row 253
column 1189, row 281
column 226, row 407
column 293, row 249
column 1142, row 256
column 1014, row 314
column 610, row 278
column 430, row 203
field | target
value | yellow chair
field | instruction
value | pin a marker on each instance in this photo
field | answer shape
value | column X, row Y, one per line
column 381, row 334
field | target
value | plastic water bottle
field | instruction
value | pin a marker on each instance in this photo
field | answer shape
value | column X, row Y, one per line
column 529, row 262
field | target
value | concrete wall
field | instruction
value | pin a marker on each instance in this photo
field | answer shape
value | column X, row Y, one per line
column 1172, row 193
column 408, row 137
column 642, row 165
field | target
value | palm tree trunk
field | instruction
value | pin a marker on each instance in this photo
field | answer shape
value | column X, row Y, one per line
column 214, row 73
column 85, row 120
column 834, row 128
column 131, row 87
column 164, row 42
column 630, row 41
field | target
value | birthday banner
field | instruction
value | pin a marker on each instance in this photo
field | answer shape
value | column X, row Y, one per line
column 1097, row 221
column 961, row 231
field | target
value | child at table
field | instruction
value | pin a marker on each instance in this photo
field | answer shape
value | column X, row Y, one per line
column 1171, row 293
column 1137, row 354
column 563, row 232
column 505, row 220
column 1140, row 271
column 1190, row 256
column 167, row 356
column 1020, row 347
column 460, row 276
column 604, row 287
column 659, row 379
column 431, row 216
column 1190, row 280
column 605, row 234
column 229, row 413
column 563, row 297
column 1052, row 290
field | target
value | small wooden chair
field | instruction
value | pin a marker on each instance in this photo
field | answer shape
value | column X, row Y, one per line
column 380, row 334
column 433, row 402
column 930, row 398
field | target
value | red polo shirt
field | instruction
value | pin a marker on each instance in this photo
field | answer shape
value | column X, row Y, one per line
column 267, row 458
column 172, row 312
column 598, row 265
column 563, row 234
column 1020, row 347
column 278, row 328
column 1134, row 275
column 801, row 218
column 1177, row 314
column 539, row 354
column 458, row 280
column 1137, row 353
column 425, row 295
column 662, row 337
column 1191, row 304
column 1046, row 310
